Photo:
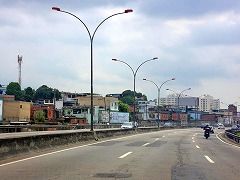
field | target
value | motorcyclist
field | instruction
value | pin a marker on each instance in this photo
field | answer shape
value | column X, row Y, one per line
column 207, row 129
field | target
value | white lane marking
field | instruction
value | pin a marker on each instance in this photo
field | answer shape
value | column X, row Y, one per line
column 193, row 141
column 123, row 156
column 157, row 139
column 163, row 136
column 192, row 137
column 55, row 152
column 175, row 132
column 146, row 144
column 209, row 159
column 197, row 146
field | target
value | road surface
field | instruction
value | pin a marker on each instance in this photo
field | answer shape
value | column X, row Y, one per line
column 170, row 154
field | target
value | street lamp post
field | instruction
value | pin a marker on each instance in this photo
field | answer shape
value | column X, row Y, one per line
column 159, row 88
column 134, row 81
column 179, row 119
column 91, row 37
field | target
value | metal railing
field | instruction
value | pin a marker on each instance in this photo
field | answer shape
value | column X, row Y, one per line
column 231, row 134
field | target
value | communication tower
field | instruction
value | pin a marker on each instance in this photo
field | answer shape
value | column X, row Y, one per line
column 20, row 69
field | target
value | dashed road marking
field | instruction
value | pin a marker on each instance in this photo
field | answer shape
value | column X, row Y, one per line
column 197, row 146
column 126, row 154
column 146, row 144
column 209, row 159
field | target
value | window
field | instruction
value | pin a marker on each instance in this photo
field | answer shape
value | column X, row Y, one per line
column 20, row 105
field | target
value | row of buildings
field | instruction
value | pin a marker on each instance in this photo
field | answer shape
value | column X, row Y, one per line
column 74, row 108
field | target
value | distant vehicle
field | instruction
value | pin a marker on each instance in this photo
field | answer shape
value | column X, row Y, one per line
column 235, row 127
column 204, row 124
column 127, row 125
column 211, row 129
column 221, row 126
column 167, row 125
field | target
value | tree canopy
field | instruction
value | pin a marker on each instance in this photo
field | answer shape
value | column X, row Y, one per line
column 28, row 94
column 14, row 89
column 45, row 92
column 127, row 97
column 123, row 107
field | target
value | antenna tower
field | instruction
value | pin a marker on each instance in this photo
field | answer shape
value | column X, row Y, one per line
column 20, row 69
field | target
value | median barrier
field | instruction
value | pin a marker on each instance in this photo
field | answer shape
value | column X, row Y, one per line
column 10, row 146
column 231, row 134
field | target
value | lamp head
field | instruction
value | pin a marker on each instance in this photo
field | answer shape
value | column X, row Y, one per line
column 173, row 78
column 155, row 58
column 56, row 8
column 144, row 79
column 114, row 59
column 128, row 11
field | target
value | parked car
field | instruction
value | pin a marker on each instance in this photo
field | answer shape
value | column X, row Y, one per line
column 127, row 125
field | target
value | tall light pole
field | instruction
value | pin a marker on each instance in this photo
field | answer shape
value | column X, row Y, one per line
column 159, row 88
column 91, row 36
column 179, row 119
column 134, row 81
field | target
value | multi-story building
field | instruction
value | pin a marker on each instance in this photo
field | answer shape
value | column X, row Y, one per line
column 143, row 109
column 207, row 104
column 15, row 110
column 171, row 100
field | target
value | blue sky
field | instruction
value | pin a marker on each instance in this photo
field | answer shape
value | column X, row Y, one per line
column 197, row 42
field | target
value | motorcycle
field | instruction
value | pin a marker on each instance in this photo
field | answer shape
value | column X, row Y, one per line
column 207, row 134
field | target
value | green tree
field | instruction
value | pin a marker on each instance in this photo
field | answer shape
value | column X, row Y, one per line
column 28, row 94
column 14, row 89
column 127, row 97
column 39, row 116
column 45, row 92
column 123, row 107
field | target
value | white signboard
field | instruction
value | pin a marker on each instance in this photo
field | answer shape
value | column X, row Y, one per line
column 119, row 117
column 1, row 109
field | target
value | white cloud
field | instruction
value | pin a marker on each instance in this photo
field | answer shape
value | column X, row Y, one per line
column 198, row 46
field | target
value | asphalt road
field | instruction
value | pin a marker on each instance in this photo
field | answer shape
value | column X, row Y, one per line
column 170, row 154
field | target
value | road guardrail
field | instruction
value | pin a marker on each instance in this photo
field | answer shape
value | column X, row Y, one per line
column 231, row 134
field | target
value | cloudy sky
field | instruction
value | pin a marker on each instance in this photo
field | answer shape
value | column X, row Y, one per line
column 196, row 42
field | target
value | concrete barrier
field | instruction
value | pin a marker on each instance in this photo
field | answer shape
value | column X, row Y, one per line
column 16, row 145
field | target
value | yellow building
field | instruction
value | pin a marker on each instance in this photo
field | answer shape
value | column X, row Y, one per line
column 108, row 103
column 16, row 111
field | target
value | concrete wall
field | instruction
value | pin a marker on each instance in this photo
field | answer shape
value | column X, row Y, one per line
column 17, row 145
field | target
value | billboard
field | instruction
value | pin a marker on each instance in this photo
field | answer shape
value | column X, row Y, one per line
column 119, row 117
column 187, row 101
column 1, row 109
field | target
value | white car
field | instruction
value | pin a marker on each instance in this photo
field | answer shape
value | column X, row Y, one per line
column 221, row 126
column 127, row 125
column 168, row 125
